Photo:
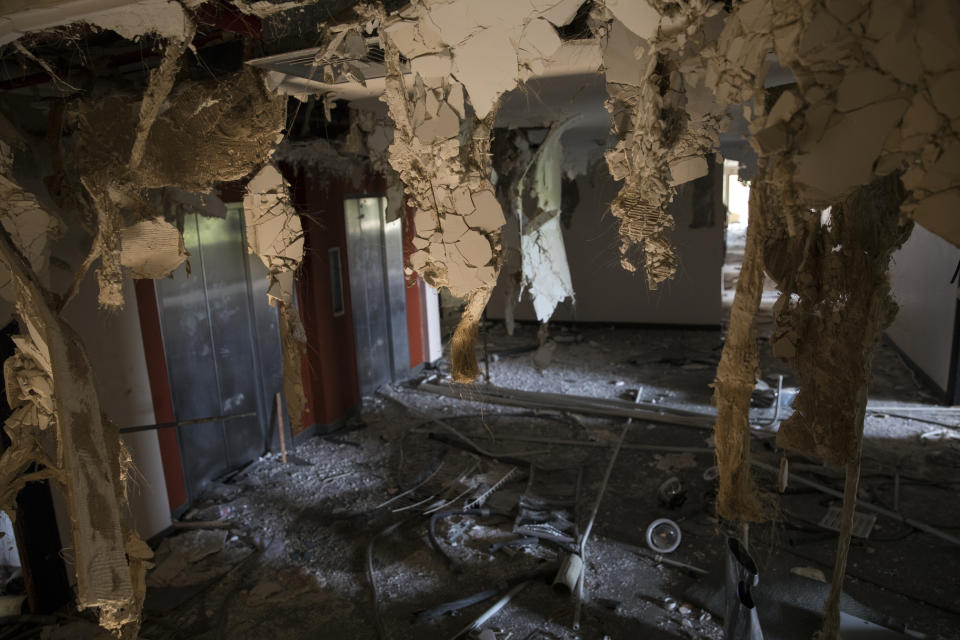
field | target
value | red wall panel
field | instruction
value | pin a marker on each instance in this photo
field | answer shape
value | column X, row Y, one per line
column 160, row 391
column 415, row 320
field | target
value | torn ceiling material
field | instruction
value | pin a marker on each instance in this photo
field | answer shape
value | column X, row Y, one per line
column 275, row 234
column 441, row 151
column 206, row 133
column 85, row 455
column 665, row 119
column 32, row 224
column 877, row 91
column 463, row 56
column 488, row 47
column 833, row 271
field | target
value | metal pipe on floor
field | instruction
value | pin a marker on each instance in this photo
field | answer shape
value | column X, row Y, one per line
column 185, row 423
column 593, row 516
column 943, row 535
column 492, row 611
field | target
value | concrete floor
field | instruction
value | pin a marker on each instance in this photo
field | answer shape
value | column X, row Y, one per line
column 291, row 563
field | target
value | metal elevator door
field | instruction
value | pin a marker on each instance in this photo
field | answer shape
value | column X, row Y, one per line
column 222, row 345
column 377, row 292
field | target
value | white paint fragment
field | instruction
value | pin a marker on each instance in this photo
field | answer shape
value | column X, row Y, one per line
column 546, row 272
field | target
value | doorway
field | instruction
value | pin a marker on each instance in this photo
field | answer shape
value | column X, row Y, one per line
column 377, row 294
column 222, row 345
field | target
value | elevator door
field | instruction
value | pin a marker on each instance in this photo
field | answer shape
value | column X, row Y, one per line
column 377, row 294
column 222, row 346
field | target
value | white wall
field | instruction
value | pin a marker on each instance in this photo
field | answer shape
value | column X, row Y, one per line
column 605, row 292
column 920, row 279
column 115, row 347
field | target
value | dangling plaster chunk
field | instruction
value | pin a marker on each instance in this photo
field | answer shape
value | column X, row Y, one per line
column 108, row 580
column 489, row 47
column 151, row 249
column 444, row 163
column 666, row 121
column 273, row 227
column 275, row 234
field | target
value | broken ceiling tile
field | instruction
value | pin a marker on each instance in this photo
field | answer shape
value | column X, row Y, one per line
column 771, row 139
column 786, row 105
column 273, row 226
column 444, row 125
column 886, row 16
column 425, row 222
column 558, row 13
column 921, row 119
column 462, row 202
column 455, row 100
column 435, row 65
column 151, row 249
column 475, row 248
column 821, row 38
column 486, row 64
column 414, row 39
column 940, row 173
column 945, row 91
column 861, row 87
column 686, row 169
column 816, row 119
column 164, row 18
column 539, row 40
column 844, row 157
column 619, row 58
column 846, row 10
column 418, row 260
column 785, row 41
column 488, row 215
column 453, row 228
column 898, row 55
column 637, row 15
column 938, row 213
column 938, row 34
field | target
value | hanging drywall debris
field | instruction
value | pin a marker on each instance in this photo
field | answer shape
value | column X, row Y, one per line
column 664, row 115
column 206, row 133
column 151, row 249
column 87, row 456
column 31, row 224
column 444, row 163
column 488, row 47
column 275, row 234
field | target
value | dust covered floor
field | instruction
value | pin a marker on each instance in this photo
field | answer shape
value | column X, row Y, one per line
column 286, row 555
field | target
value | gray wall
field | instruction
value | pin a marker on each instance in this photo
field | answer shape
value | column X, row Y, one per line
column 605, row 292
column 920, row 278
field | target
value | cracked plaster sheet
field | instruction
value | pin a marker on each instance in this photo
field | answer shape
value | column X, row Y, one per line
column 151, row 249
column 164, row 18
column 664, row 116
column 494, row 44
column 30, row 225
column 878, row 90
column 273, row 227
